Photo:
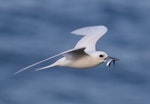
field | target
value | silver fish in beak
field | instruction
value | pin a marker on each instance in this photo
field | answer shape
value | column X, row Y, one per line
column 109, row 60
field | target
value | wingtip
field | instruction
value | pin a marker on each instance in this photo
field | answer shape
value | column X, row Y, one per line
column 16, row 73
column 88, row 29
column 21, row 70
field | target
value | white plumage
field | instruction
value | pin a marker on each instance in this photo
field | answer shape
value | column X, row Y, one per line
column 84, row 54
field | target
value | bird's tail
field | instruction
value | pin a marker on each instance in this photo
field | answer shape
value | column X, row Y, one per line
column 46, row 67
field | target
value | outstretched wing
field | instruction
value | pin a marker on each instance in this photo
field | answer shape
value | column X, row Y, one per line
column 71, row 55
column 91, row 35
column 67, row 54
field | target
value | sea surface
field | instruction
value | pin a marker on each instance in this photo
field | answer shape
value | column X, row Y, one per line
column 31, row 30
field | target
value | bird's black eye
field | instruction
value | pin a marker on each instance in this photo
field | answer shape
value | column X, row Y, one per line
column 101, row 55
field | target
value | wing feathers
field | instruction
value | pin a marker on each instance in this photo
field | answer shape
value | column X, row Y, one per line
column 91, row 35
column 63, row 53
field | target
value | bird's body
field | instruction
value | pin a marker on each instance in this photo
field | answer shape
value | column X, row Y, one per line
column 85, row 61
column 84, row 54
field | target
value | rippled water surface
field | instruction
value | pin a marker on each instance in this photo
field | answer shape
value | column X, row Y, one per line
column 31, row 30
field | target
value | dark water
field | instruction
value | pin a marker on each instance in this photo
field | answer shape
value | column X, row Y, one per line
column 31, row 30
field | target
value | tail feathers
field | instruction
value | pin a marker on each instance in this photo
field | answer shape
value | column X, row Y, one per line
column 46, row 67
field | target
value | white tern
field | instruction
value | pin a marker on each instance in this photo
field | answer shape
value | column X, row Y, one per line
column 84, row 54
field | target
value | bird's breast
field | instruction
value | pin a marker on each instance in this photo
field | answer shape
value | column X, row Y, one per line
column 83, row 62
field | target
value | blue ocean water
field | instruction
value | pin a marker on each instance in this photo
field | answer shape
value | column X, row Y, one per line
column 31, row 30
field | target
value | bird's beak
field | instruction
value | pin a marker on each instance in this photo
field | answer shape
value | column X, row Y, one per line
column 110, row 60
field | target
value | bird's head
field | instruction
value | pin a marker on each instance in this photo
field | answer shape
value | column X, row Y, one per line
column 103, row 57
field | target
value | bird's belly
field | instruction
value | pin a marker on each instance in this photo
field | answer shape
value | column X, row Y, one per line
column 80, row 63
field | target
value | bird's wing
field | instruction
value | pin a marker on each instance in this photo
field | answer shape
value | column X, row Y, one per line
column 91, row 35
column 67, row 54
column 75, row 53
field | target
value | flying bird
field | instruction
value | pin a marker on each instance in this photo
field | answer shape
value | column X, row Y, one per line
column 84, row 54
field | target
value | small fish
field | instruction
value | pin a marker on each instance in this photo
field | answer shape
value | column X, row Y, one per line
column 110, row 60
